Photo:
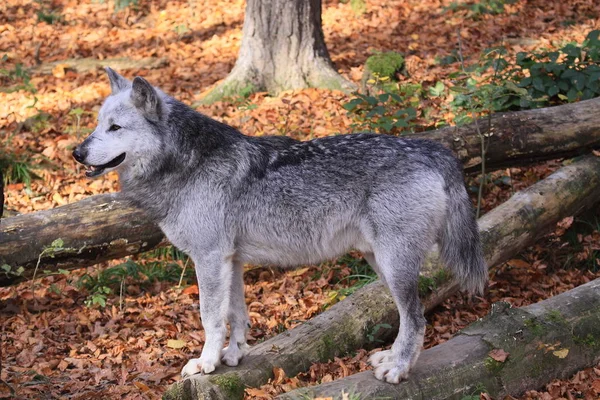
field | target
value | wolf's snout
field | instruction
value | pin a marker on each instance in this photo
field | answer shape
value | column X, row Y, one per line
column 78, row 154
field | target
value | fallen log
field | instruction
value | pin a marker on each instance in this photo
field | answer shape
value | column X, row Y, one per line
column 548, row 340
column 524, row 136
column 81, row 65
column 350, row 324
column 92, row 230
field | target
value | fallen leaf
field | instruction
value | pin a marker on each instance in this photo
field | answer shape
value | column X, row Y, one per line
column 561, row 353
column 191, row 290
column 518, row 263
column 144, row 388
column 176, row 344
column 499, row 355
column 256, row 392
column 596, row 386
column 278, row 376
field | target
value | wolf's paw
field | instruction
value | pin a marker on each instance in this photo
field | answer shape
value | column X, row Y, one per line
column 380, row 357
column 391, row 372
column 196, row 365
column 233, row 354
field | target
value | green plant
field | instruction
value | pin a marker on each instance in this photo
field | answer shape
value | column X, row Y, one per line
column 10, row 272
column 569, row 74
column 16, row 169
column 384, row 113
column 361, row 274
column 534, row 80
column 57, row 246
column 107, row 281
column 14, row 78
column 371, row 335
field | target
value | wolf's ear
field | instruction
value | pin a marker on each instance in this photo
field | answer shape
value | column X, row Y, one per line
column 146, row 99
column 117, row 82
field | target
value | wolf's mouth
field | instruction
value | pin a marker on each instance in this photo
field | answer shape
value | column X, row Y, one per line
column 95, row 170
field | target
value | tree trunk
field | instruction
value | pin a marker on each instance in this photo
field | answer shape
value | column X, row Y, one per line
column 521, row 137
column 551, row 339
column 282, row 48
column 92, row 230
column 349, row 324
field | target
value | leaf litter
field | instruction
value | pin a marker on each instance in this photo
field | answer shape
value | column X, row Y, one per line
column 134, row 347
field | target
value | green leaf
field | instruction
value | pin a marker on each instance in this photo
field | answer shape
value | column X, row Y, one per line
column 437, row 90
column 514, row 88
column 552, row 91
column 579, row 81
column 538, row 84
column 57, row 244
column 460, row 89
column 572, row 94
column 384, row 97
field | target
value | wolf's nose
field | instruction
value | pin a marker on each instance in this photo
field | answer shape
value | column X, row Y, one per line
column 78, row 155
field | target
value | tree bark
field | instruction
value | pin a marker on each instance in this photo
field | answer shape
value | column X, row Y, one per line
column 520, row 137
column 282, row 48
column 93, row 230
column 551, row 339
column 350, row 324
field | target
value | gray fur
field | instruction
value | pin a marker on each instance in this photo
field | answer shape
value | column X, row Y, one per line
column 227, row 199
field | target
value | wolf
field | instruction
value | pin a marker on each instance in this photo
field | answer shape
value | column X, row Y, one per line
column 227, row 199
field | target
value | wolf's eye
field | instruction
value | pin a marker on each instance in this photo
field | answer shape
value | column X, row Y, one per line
column 114, row 127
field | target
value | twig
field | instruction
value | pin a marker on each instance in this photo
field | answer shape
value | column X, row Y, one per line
column 183, row 272
column 481, row 136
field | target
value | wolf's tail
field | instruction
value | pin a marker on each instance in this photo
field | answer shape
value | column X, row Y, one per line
column 459, row 241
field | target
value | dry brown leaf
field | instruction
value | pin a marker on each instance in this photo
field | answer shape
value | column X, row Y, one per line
column 256, row 392
column 278, row 376
column 499, row 355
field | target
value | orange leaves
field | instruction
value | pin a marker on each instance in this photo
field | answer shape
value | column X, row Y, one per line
column 191, row 290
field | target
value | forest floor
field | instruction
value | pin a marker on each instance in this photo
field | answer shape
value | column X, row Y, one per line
column 90, row 333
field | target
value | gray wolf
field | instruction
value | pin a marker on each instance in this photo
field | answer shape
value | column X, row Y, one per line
column 227, row 199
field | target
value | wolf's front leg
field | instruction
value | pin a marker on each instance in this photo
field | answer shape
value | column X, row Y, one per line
column 239, row 322
column 214, row 273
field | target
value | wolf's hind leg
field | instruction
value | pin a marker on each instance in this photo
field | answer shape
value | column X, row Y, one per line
column 401, row 274
column 214, row 273
column 239, row 322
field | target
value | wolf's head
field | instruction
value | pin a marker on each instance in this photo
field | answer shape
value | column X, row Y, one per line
column 126, row 137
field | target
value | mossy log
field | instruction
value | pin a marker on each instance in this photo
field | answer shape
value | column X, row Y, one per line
column 551, row 339
column 350, row 324
column 92, row 230
column 522, row 137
